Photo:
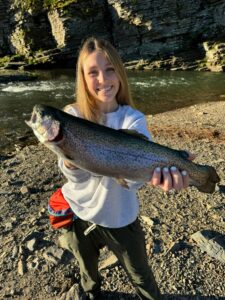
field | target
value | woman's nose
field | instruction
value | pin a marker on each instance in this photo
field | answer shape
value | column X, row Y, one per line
column 102, row 76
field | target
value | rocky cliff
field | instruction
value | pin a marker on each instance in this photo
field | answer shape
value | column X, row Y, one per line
column 149, row 34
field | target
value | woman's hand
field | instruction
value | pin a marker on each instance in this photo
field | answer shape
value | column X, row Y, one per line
column 69, row 165
column 172, row 178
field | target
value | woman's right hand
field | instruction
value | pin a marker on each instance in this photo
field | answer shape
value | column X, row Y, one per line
column 171, row 178
column 69, row 165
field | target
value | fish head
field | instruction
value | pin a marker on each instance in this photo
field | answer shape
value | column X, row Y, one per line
column 45, row 124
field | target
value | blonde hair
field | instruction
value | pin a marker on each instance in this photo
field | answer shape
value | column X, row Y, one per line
column 85, row 103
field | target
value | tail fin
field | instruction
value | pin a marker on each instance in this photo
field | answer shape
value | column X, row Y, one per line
column 213, row 178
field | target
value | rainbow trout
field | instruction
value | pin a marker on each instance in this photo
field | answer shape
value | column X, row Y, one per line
column 109, row 152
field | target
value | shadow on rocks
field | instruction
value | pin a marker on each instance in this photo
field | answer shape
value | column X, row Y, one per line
column 72, row 294
column 125, row 296
column 76, row 294
column 188, row 297
column 221, row 188
column 118, row 296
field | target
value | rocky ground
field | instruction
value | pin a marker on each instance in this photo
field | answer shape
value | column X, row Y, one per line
column 34, row 266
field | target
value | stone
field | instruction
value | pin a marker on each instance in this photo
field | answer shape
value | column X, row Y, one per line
column 31, row 244
column 111, row 261
column 24, row 190
column 50, row 258
column 56, row 252
column 147, row 220
column 211, row 242
column 15, row 251
column 72, row 294
column 34, row 264
column 8, row 225
column 215, row 53
column 21, row 267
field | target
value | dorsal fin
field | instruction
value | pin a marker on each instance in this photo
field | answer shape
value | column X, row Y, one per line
column 135, row 133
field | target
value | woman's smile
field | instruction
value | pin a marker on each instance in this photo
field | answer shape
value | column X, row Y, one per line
column 105, row 89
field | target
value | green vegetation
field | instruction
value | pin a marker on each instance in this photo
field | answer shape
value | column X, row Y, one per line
column 4, row 60
column 43, row 4
column 10, row 58
column 29, row 4
column 52, row 4
column 201, row 64
column 85, row 10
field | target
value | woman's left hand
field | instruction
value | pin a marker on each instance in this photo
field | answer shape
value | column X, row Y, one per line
column 172, row 178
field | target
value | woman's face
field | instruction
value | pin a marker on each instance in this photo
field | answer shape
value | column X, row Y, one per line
column 101, row 80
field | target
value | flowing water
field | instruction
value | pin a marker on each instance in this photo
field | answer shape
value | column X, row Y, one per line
column 153, row 92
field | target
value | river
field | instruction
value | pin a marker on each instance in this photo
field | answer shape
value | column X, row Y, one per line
column 153, row 92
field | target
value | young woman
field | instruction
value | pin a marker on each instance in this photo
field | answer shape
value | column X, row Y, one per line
column 107, row 212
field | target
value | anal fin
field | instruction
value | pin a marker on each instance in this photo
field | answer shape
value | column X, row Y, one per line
column 122, row 182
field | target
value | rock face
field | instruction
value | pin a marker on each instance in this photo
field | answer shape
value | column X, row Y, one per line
column 169, row 33
column 215, row 59
column 4, row 28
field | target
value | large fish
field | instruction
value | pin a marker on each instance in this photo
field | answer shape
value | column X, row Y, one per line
column 114, row 153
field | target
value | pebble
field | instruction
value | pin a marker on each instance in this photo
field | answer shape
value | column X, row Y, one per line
column 33, row 264
column 31, row 244
column 8, row 225
column 12, row 292
column 21, row 267
column 50, row 258
column 24, row 190
column 49, row 289
column 15, row 251
column 147, row 220
column 109, row 262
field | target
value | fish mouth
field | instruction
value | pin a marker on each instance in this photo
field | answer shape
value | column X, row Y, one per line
column 46, row 129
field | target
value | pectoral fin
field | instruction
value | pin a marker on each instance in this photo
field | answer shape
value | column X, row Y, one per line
column 122, row 182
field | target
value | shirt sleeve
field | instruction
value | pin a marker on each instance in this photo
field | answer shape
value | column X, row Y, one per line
column 140, row 125
column 76, row 175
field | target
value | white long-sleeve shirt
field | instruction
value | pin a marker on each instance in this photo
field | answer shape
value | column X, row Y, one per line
column 100, row 199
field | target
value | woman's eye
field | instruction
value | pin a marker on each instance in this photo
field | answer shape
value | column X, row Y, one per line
column 92, row 73
column 111, row 69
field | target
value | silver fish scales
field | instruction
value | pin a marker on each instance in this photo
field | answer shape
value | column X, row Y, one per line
column 115, row 153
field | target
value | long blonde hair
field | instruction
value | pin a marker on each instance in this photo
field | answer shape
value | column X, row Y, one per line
column 85, row 103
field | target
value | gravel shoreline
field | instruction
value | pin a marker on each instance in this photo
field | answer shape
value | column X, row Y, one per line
column 34, row 266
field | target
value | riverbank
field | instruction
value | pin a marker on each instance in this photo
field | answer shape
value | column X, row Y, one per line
column 7, row 76
column 35, row 267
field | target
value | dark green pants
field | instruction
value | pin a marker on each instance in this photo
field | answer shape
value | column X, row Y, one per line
column 127, row 243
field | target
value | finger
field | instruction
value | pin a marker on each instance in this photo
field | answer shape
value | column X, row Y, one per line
column 166, row 185
column 156, row 177
column 191, row 156
column 69, row 165
column 186, row 179
column 176, row 178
